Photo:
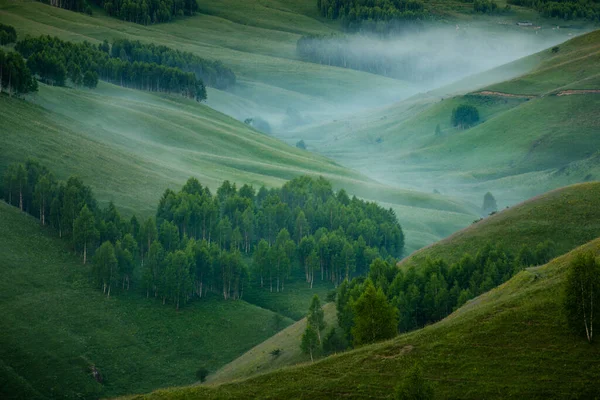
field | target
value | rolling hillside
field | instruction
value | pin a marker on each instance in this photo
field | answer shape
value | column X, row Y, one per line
column 465, row 355
column 260, row 359
column 569, row 217
column 538, row 131
column 56, row 326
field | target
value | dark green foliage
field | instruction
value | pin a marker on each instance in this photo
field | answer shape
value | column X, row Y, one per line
column 374, row 318
column 437, row 289
column 555, row 49
column 568, row 10
column 489, row 203
column 485, row 6
column 201, row 374
column 582, row 294
column 8, row 34
column 301, row 145
column 53, row 60
column 353, row 13
column 316, row 316
column 438, row 130
column 212, row 73
column 193, row 248
column 310, row 342
column 72, row 5
column 90, row 79
column 334, row 342
column 142, row 12
column 465, row 116
column 15, row 76
column 275, row 352
column 415, row 387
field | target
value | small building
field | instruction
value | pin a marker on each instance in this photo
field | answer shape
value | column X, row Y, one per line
column 525, row 23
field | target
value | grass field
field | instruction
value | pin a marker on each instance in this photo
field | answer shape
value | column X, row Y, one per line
column 260, row 359
column 511, row 342
column 55, row 326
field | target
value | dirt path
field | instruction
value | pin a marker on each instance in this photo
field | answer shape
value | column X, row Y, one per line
column 500, row 94
column 577, row 91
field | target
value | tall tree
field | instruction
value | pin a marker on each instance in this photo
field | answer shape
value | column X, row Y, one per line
column 85, row 232
column 374, row 318
column 316, row 316
column 582, row 294
column 310, row 341
column 105, row 266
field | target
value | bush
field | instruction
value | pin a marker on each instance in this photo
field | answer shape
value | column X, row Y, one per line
column 465, row 116
column 301, row 145
column 201, row 374
column 415, row 387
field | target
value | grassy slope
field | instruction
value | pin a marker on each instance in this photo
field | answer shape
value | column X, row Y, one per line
column 521, row 148
column 259, row 360
column 55, row 325
column 511, row 342
column 568, row 216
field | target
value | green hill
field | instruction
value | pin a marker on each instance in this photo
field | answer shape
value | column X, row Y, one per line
column 260, row 359
column 569, row 217
column 56, row 326
column 511, row 342
column 538, row 131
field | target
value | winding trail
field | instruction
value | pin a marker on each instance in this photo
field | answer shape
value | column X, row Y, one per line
column 569, row 92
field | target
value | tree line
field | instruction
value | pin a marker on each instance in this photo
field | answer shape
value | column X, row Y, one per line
column 357, row 10
column 200, row 244
column 567, row 10
column 213, row 73
column 148, row 12
column 403, row 300
column 55, row 60
column 15, row 76
column 344, row 51
column 72, row 5
column 8, row 34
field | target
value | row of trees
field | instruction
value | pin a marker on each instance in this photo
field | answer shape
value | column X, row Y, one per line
column 362, row 54
column 213, row 73
column 352, row 11
column 8, row 34
column 199, row 243
column 73, row 5
column 568, row 10
column 54, row 60
column 15, row 76
column 148, row 12
column 412, row 299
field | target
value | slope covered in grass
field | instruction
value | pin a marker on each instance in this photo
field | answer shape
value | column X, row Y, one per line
column 529, row 139
column 569, row 217
column 512, row 342
column 261, row 358
column 56, row 326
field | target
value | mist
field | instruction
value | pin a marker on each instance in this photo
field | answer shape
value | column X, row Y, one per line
column 416, row 62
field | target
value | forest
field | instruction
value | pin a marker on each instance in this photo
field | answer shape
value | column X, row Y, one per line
column 15, row 76
column 55, row 60
column 201, row 244
column 434, row 291
column 213, row 73
column 73, row 5
column 148, row 12
column 568, row 10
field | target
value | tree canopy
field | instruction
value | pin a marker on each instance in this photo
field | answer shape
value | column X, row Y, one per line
column 465, row 116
